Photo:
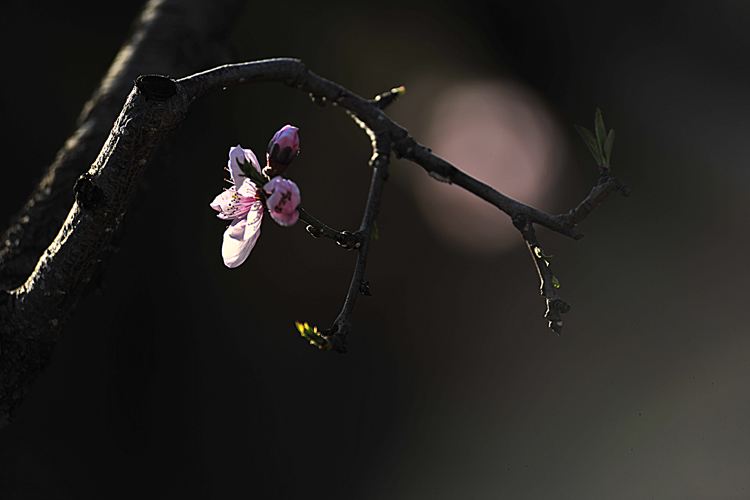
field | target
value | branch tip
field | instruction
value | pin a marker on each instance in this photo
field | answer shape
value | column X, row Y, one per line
column 387, row 98
column 156, row 87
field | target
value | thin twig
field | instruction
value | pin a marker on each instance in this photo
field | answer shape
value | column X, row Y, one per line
column 605, row 185
column 317, row 228
column 548, row 283
column 293, row 73
column 369, row 114
column 379, row 163
column 158, row 105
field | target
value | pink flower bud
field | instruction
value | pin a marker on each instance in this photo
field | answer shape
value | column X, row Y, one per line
column 283, row 148
column 282, row 200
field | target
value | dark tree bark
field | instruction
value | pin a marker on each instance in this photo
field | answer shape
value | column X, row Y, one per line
column 171, row 37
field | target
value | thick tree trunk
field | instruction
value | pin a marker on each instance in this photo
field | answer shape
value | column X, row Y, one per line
column 171, row 37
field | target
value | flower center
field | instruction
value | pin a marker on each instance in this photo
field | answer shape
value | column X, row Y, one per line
column 238, row 206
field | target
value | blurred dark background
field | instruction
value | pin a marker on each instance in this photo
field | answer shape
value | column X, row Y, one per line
column 179, row 378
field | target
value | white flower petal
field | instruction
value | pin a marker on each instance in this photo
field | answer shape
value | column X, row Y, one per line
column 222, row 201
column 238, row 154
column 240, row 238
column 247, row 189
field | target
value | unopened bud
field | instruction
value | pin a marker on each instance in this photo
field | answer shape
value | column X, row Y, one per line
column 283, row 148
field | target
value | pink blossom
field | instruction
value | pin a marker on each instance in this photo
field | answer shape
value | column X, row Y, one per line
column 283, row 200
column 242, row 204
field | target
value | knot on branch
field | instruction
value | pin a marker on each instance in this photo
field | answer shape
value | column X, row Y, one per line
column 555, row 309
column 605, row 185
column 156, row 87
column 88, row 195
column 621, row 187
column 336, row 337
column 349, row 241
column 404, row 147
column 315, row 232
column 606, row 179
column 521, row 222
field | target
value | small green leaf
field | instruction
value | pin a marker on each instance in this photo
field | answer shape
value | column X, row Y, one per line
column 599, row 128
column 312, row 335
column 590, row 140
column 608, row 147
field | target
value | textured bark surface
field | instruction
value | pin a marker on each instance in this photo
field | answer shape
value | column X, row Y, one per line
column 171, row 37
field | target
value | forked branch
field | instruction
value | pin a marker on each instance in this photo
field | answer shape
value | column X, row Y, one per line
column 159, row 104
column 389, row 136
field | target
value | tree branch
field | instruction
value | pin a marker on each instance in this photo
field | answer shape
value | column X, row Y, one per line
column 318, row 228
column 379, row 163
column 294, row 74
column 171, row 36
column 156, row 106
column 606, row 185
column 369, row 114
column 548, row 283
